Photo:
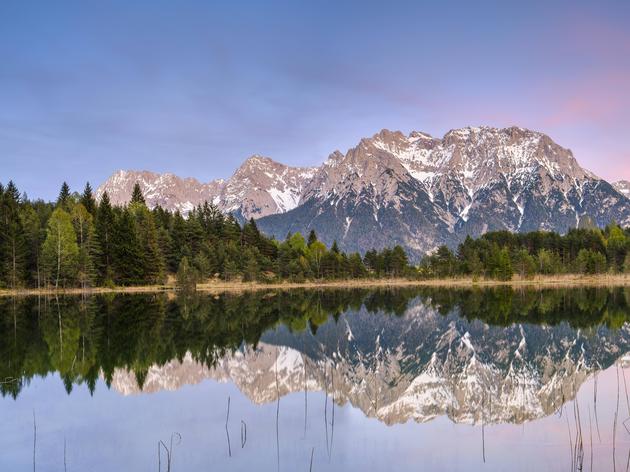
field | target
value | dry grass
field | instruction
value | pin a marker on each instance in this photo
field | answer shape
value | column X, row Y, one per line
column 217, row 286
column 88, row 291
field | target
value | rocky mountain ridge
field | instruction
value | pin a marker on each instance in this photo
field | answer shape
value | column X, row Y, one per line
column 414, row 190
column 623, row 187
column 259, row 187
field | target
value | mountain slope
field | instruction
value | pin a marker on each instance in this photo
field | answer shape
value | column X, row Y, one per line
column 259, row 187
column 167, row 190
column 414, row 190
column 622, row 186
column 422, row 192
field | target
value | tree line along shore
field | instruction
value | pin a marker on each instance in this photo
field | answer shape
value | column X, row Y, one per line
column 77, row 243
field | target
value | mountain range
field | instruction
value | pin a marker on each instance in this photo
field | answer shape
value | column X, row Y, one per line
column 414, row 190
column 417, row 367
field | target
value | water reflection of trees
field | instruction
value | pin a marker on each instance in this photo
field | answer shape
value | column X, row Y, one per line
column 503, row 306
column 80, row 338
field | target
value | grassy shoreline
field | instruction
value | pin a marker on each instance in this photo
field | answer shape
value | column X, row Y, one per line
column 564, row 280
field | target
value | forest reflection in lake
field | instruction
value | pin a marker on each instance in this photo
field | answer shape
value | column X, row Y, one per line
column 355, row 378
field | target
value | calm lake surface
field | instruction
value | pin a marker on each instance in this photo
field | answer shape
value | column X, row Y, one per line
column 409, row 379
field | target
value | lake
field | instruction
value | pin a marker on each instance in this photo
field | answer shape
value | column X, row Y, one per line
column 335, row 380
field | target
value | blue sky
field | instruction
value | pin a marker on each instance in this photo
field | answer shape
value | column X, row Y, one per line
column 195, row 87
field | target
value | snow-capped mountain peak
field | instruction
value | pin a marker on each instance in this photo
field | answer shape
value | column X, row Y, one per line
column 421, row 191
column 262, row 186
column 259, row 187
column 410, row 189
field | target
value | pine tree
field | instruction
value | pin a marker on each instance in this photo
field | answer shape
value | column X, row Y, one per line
column 179, row 242
column 312, row 237
column 104, row 226
column 186, row 276
column 251, row 269
column 330, row 264
column 474, row 264
column 590, row 262
column 153, row 264
column 399, row 262
column 356, row 267
column 371, row 261
column 88, row 200
column 12, row 241
column 194, row 234
column 34, row 236
column 502, row 265
column 444, row 262
column 128, row 256
column 250, row 236
column 231, row 229
column 136, row 195
column 230, row 269
column 63, row 200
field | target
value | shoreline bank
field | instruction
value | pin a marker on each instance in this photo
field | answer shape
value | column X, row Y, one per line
column 565, row 280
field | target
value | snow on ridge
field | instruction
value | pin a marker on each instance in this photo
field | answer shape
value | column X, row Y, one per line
column 456, row 172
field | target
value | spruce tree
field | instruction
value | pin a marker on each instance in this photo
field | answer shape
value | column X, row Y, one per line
column 63, row 200
column 474, row 266
column 136, row 195
column 312, row 237
column 355, row 266
column 251, row 268
column 88, row 200
column 503, row 265
column 34, row 236
column 128, row 256
column 103, row 230
column 153, row 264
column 12, row 241
column 250, row 235
column 399, row 261
column 179, row 242
column 231, row 229
column 230, row 269
column 186, row 276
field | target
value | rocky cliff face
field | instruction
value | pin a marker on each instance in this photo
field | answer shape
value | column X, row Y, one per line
column 623, row 187
column 262, row 187
column 414, row 190
column 417, row 367
column 422, row 192
column 166, row 190
column 258, row 188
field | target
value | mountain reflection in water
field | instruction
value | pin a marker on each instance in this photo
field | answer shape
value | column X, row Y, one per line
column 479, row 356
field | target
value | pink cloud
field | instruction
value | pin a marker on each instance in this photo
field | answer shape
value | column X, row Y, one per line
column 602, row 100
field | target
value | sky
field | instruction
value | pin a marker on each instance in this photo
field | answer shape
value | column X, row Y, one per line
column 195, row 87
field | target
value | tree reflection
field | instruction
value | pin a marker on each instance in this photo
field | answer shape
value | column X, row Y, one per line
column 81, row 338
